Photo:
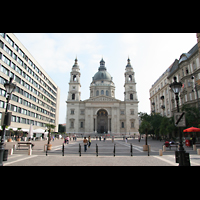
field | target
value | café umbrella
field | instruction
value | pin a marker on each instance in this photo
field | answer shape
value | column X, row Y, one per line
column 30, row 133
column 191, row 129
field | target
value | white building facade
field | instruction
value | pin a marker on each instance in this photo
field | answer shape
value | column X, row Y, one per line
column 36, row 98
column 102, row 113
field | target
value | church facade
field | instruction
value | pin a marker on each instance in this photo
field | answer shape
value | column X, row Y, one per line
column 102, row 113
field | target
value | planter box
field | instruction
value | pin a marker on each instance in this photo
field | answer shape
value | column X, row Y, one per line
column 145, row 148
column 49, row 146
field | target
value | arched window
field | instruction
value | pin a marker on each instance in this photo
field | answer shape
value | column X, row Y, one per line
column 131, row 96
column 102, row 92
column 130, row 78
column 74, row 78
column 97, row 93
column 73, row 96
column 107, row 93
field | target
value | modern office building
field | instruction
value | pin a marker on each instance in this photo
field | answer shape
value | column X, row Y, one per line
column 36, row 97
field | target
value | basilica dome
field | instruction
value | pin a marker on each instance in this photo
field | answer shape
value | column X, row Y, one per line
column 102, row 74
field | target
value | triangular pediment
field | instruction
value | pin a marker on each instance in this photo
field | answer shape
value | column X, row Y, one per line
column 102, row 98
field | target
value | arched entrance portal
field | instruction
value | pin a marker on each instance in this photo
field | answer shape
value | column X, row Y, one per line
column 102, row 121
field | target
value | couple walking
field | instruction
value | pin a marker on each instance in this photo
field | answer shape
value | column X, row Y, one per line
column 86, row 142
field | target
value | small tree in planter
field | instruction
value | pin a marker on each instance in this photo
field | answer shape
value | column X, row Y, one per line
column 145, row 127
column 11, row 131
column 49, row 128
column 19, row 133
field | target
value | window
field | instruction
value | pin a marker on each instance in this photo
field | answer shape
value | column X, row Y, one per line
column 16, row 47
column 9, row 40
column 4, row 70
column 81, row 124
column 97, row 93
column 15, row 98
column 2, row 81
column 132, row 112
column 74, row 78
column 6, row 60
column 19, row 61
column 73, row 96
column 102, row 92
column 17, row 79
column 132, row 124
column 122, row 124
column 107, row 94
column 7, row 50
column 1, row 44
column 122, row 112
column 194, row 65
column 1, row 104
column 72, row 112
column 17, row 69
column 13, row 118
column 72, row 124
column 23, row 121
column 130, row 78
column 14, row 56
column 131, row 96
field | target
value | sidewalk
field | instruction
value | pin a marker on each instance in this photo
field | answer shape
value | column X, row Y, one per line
column 39, row 145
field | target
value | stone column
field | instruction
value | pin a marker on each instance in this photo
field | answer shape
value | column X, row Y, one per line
column 96, row 124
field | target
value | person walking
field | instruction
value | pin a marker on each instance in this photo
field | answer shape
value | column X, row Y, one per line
column 85, row 142
column 89, row 141
column 67, row 139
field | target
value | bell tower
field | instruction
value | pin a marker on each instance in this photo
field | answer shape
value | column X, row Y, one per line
column 130, row 93
column 74, row 93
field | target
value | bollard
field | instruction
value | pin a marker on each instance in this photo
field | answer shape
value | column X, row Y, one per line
column 194, row 147
column 114, row 151
column 46, row 150
column 198, row 151
column 148, row 149
column 160, row 152
column 79, row 149
column 164, row 148
column 63, row 150
column 14, row 147
column 10, row 151
column 131, row 149
column 96, row 150
column 45, row 146
column 30, row 152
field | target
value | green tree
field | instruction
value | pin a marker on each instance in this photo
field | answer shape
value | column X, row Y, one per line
column 145, row 127
column 192, row 115
column 49, row 128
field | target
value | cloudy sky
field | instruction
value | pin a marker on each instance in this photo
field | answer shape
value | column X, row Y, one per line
column 150, row 54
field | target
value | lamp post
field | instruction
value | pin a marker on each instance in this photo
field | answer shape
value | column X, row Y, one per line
column 10, row 87
column 176, row 88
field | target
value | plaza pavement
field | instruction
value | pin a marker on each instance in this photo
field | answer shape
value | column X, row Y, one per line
column 89, row 158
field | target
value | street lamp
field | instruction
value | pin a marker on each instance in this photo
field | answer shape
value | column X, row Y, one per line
column 10, row 87
column 176, row 88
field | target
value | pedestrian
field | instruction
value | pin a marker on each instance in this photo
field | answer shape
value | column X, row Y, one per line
column 126, row 140
column 139, row 138
column 193, row 140
column 89, row 142
column 85, row 144
column 67, row 139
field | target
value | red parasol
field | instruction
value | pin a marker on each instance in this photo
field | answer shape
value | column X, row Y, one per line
column 192, row 129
